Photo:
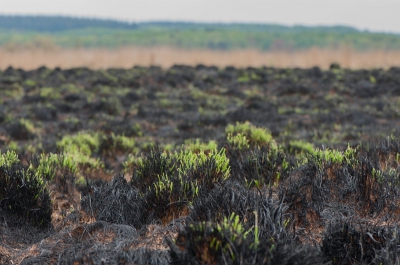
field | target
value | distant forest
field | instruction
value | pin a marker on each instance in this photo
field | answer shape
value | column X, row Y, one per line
column 70, row 32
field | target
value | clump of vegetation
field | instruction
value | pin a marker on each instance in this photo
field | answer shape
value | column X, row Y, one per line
column 81, row 148
column 228, row 242
column 23, row 192
column 170, row 181
column 245, row 134
column 56, row 168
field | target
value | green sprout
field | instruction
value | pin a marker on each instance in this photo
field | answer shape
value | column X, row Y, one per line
column 9, row 158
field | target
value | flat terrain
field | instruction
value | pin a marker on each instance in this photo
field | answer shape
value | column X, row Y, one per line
column 33, row 57
column 199, row 165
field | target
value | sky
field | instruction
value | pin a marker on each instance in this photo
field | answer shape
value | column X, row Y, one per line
column 372, row 15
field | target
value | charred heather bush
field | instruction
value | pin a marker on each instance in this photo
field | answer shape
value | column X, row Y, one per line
column 167, row 198
column 344, row 244
column 269, row 216
column 115, row 202
column 23, row 192
column 152, row 165
column 228, row 242
column 178, row 178
column 331, row 180
column 258, row 166
column 210, row 170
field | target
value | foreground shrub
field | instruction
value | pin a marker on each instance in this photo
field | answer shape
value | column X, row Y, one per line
column 23, row 193
column 228, row 242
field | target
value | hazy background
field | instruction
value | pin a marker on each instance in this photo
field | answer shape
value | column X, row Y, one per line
column 148, row 46
column 363, row 14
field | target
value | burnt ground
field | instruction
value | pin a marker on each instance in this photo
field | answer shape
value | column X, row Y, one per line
column 318, row 211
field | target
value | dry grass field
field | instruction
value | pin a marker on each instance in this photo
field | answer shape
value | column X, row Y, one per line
column 164, row 56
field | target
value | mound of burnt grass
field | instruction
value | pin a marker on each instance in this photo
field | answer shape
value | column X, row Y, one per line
column 116, row 202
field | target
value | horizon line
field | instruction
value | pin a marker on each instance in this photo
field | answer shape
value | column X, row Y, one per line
column 132, row 22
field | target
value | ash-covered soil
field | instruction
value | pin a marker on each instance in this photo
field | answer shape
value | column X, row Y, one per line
column 199, row 165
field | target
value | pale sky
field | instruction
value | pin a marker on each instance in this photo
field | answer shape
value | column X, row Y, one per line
column 373, row 15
